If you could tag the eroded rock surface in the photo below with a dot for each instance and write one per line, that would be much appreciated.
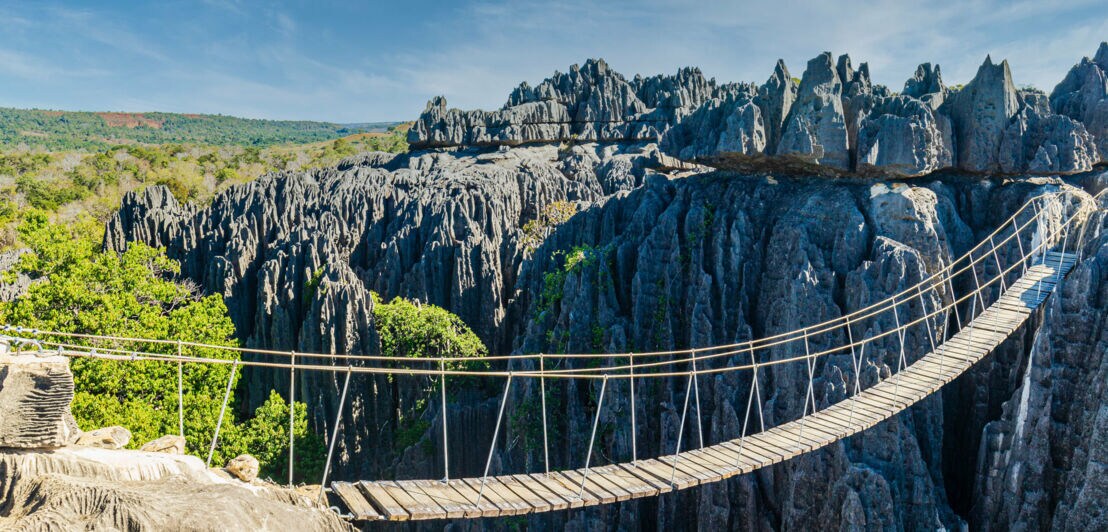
(35, 393)
(82, 488)
(836, 122)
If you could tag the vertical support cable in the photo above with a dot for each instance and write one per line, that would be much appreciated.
(977, 284)
(542, 392)
(1019, 242)
(999, 268)
(334, 435)
(592, 439)
(902, 362)
(809, 394)
(292, 413)
(1058, 272)
(853, 356)
(746, 416)
(1038, 223)
(180, 392)
(954, 299)
(634, 442)
(696, 392)
(445, 439)
(222, 410)
(681, 431)
(495, 435)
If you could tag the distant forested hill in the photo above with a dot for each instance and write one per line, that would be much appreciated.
(70, 130)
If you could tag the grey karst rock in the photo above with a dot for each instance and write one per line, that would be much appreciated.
(169, 444)
(590, 103)
(815, 130)
(296, 255)
(1083, 96)
(903, 137)
(35, 393)
(82, 488)
(927, 85)
(243, 467)
(775, 99)
(1046, 143)
(105, 438)
(981, 112)
(731, 127)
(679, 269)
(20, 282)
(1043, 459)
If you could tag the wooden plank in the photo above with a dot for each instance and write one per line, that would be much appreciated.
(361, 508)
(475, 507)
(592, 493)
(662, 471)
(653, 482)
(495, 492)
(745, 450)
(542, 491)
(443, 495)
(599, 483)
(551, 483)
(633, 485)
(416, 508)
(383, 501)
(534, 501)
(427, 504)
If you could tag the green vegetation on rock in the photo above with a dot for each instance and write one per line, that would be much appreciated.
(81, 288)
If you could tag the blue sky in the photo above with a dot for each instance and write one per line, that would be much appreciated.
(378, 61)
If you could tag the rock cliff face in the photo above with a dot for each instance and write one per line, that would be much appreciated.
(296, 255)
(589, 103)
(836, 122)
(1043, 461)
(670, 263)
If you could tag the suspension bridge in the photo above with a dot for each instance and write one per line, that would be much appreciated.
(1003, 280)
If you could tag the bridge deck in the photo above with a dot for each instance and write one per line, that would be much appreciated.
(520, 494)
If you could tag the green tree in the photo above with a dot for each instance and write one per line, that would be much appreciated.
(83, 289)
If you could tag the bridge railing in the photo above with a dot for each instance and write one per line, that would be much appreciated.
(924, 308)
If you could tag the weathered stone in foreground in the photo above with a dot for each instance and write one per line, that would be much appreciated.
(84, 488)
(169, 444)
(35, 393)
(105, 438)
(243, 467)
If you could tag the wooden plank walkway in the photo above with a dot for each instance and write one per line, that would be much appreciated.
(405, 500)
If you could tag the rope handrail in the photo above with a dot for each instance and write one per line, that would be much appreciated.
(739, 347)
(600, 372)
(597, 373)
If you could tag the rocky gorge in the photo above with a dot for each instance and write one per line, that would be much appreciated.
(823, 196)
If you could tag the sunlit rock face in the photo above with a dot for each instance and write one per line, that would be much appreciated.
(834, 122)
(766, 245)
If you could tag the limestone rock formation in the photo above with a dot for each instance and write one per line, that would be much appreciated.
(35, 393)
(296, 255)
(84, 488)
(243, 467)
(710, 259)
(590, 103)
(1083, 96)
(1043, 459)
(815, 129)
(169, 444)
(837, 122)
(105, 438)
(981, 112)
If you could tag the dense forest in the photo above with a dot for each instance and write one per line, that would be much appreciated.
(74, 184)
(71, 130)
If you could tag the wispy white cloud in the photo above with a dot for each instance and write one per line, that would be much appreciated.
(351, 62)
